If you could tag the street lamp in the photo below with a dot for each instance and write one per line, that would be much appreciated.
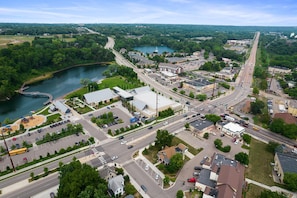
(7, 149)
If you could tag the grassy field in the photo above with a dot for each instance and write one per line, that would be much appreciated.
(259, 168)
(118, 81)
(191, 149)
(253, 191)
(14, 39)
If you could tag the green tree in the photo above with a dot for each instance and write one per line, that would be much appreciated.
(166, 180)
(32, 175)
(213, 118)
(247, 138)
(179, 194)
(174, 89)
(201, 97)
(75, 178)
(257, 106)
(187, 126)
(271, 146)
(255, 91)
(130, 189)
(290, 179)
(218, 143)
(270, 194)
(163, 138)
(206, 135)
(277, 125)
(176, 163)
(182, 92)
(191, 95)
(242, 157)
(45, 169)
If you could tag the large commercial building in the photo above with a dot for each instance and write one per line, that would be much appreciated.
(148, 103)
(101, 96)
(285, 163)
(233, 129)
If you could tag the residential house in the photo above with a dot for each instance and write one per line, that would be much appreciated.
(165, 155)
(285, 163)
(292, 107)
(116, 185)
(223, 177)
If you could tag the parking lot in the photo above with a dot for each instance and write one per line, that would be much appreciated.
(149, 171)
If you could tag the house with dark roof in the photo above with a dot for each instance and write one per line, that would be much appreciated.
(165, 155)
(285, 163)
(116, 185)
(223, 177)
(286, 117)
(201, 126)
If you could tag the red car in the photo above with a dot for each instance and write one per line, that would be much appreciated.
(192, 180)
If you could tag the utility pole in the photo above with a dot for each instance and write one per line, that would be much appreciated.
(7, 149)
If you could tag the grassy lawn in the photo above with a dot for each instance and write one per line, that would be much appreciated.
(191, 149)
(118, 81)
(77, 93)
(44, 112)
(194, 194)
(253, 191)
(259, 168)
(152, 154)
(13, 39)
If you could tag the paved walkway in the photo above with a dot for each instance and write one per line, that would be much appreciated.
(272, 188)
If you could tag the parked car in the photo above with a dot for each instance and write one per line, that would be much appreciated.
(157, 177)
(130, 146)
(18, 146)
(192, 180)
(146, 167)
(150, 127)
(196, 174)
(197, 168)
(121, 137)
(143, 188)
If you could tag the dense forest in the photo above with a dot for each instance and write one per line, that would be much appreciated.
(37, 29)
(20, 62)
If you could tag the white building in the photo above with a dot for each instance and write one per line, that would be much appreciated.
(101, 96)
(147, 102)
(116, 185)
(233, 129)
(59, 105)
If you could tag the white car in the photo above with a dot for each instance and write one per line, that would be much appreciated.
(165, 123)
(114, 157)
(146, 167)
(157, 177)
(123, 142)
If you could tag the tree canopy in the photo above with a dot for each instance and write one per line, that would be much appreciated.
(213, 118)
(270, 194)
(242, 157)
(163, 138)
(290, 179)
(80, 180)
(176, 163)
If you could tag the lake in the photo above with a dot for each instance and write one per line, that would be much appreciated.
(151, 49)
(61, 84)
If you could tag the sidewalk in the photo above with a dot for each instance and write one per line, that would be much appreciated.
(272, 188)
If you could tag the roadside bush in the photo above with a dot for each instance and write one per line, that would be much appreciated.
(206, 135)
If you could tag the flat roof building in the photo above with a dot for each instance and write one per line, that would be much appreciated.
(233, 129)
(59, 105)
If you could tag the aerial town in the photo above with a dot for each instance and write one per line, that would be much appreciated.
(147, 110)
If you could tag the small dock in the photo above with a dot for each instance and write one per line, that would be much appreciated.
(36, 94)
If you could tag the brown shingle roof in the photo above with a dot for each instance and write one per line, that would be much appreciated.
(286, 117)
(233, 177)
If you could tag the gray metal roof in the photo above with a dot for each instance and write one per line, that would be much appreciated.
(138, 104)
(61, 106)
(116, 183)
(140, 89)
(288, 162)
(201, 124)
(98, 96)
(122, 93)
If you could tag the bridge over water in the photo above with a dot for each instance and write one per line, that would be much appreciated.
(36, 94)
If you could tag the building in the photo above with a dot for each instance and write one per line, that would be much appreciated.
(165, 155)
(200, 84)
(124, 95)
(173, 68)
(107, 172)
(148, 102)
(285, 163)
(223, 177)
(292, 107)
(101, 96)
(233, 129)
(60, 106)
(201, 126)
(279, 70)
(116, 186)
(286, 117)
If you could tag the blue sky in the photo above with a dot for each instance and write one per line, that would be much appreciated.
(212, 12)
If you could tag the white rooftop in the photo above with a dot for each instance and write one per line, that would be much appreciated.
(98, 96)
(122, 93)
(168, 74)
(149, 98)
(234, 127)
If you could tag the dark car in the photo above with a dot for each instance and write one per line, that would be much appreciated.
(150, 127)
(52, 195)
(143, 188)
(197, 168)
(121, 137)
(130, 146)
(18, 146)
